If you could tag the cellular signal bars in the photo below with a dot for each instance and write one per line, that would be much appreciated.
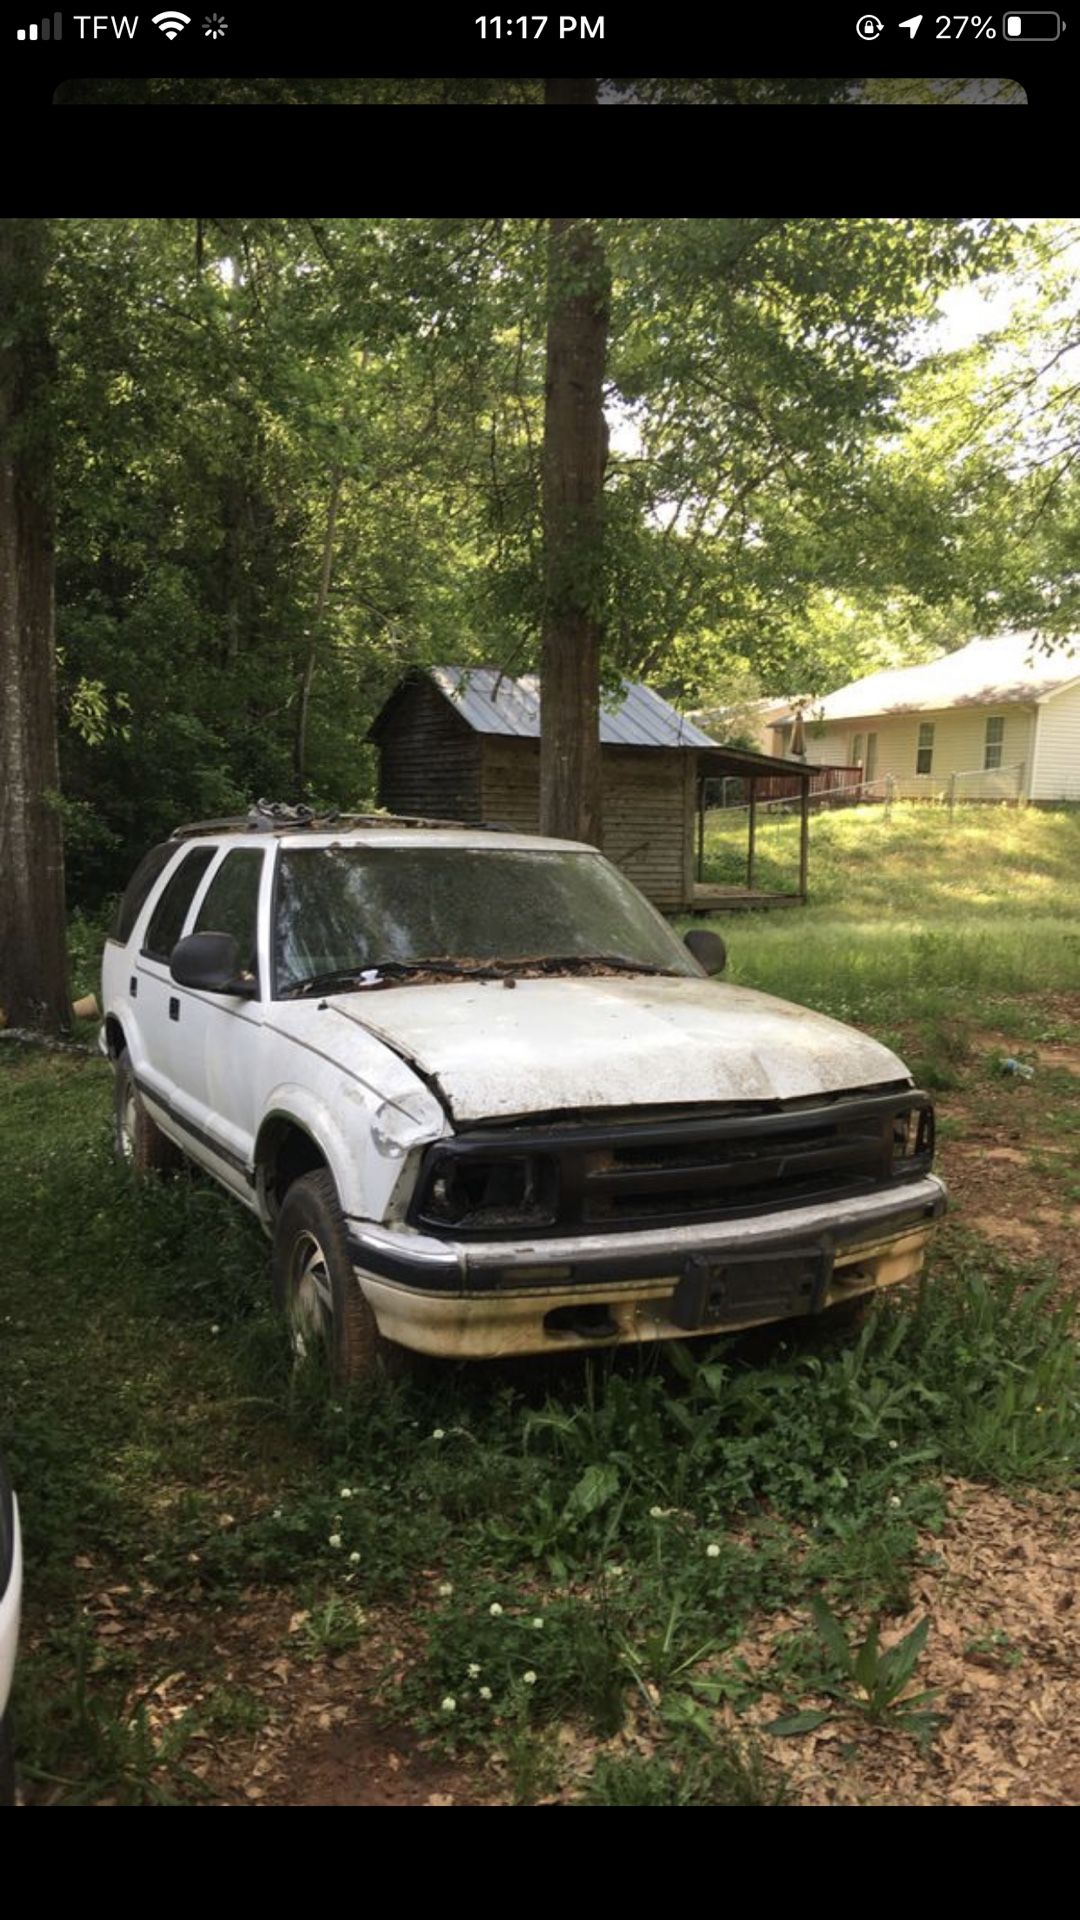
(49, 30)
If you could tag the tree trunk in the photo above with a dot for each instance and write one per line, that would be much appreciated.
(33, 941)
(307, 677)
(575, 445)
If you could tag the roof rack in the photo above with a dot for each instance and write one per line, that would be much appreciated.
(277, 818)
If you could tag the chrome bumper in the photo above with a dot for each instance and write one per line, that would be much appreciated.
(420, 1260)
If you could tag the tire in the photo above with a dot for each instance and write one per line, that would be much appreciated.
(316, 1289)
(139, 1141)
(7, 1767)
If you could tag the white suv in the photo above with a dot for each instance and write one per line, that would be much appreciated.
(486, 1101)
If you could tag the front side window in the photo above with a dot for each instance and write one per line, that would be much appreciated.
(924, 756)
(167, 919)
(856, 749)
(995, 741)
(343, 909)
(231, 904)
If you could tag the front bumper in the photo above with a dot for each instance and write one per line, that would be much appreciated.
(480, 1300)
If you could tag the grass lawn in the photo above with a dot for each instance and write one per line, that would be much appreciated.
(911, 918)
(646, 1579)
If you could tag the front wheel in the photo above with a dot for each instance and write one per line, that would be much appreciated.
(316, 1288)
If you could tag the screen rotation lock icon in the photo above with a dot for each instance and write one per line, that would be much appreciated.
(869, 27)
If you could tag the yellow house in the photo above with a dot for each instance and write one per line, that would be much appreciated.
(996, 720)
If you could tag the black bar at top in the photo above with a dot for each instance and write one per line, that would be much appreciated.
(446, 40)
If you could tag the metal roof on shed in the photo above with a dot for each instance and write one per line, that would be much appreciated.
(495, 702)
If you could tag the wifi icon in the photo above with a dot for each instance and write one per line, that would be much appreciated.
(172, 23)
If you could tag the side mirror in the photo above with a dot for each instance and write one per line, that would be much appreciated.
(707, 948)
(210, 962)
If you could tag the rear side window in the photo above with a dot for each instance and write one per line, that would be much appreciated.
(138, 889)
(232, 903)
(167, 919)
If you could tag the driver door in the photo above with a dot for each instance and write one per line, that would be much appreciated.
(224, 1034)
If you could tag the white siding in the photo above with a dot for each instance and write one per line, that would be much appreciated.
(959, 747)
(1056, 774)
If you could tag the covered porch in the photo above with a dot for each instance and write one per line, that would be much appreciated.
(760, 777)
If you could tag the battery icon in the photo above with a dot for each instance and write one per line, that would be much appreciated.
(1032, 26)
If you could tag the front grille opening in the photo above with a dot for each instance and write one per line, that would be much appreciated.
(623, 1176)
(751, 1196)
(690, 1179)
(592, 1320)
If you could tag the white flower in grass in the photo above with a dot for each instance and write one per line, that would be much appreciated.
(495, 1610)
(449, 1705)
(278, 1512)
(656, 1513)
(894, 1500)
(439, 1433)
(444, 1589)
(529, 1678)
(215, 1329)
(346, 1493)
(354, 1559)
(335, 1539)
(473, 1670)
(485, 1693)
(538, 1623)
(712, 1551)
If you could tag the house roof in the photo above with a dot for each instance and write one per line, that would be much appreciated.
(495, 702)
(986, 673)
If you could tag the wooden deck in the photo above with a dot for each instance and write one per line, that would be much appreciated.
(710, 899)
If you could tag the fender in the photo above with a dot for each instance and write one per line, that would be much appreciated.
(365, 1180)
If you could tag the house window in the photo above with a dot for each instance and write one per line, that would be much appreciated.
(924, 758)
(856, 749)
(870, 769)
(995, 740)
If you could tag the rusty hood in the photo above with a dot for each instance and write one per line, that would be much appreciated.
(554, 1044)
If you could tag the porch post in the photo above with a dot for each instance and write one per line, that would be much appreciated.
(804, 838)
(750, 842)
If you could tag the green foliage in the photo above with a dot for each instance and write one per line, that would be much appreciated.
(219, 382)
(719, 1773)
(872, 1681)
(86, 1736)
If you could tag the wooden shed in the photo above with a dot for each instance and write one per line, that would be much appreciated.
(464, 744)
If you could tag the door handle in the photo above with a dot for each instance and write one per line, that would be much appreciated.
(174, 1007)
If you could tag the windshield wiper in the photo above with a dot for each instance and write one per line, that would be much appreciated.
(380, 971)
(614, 962)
